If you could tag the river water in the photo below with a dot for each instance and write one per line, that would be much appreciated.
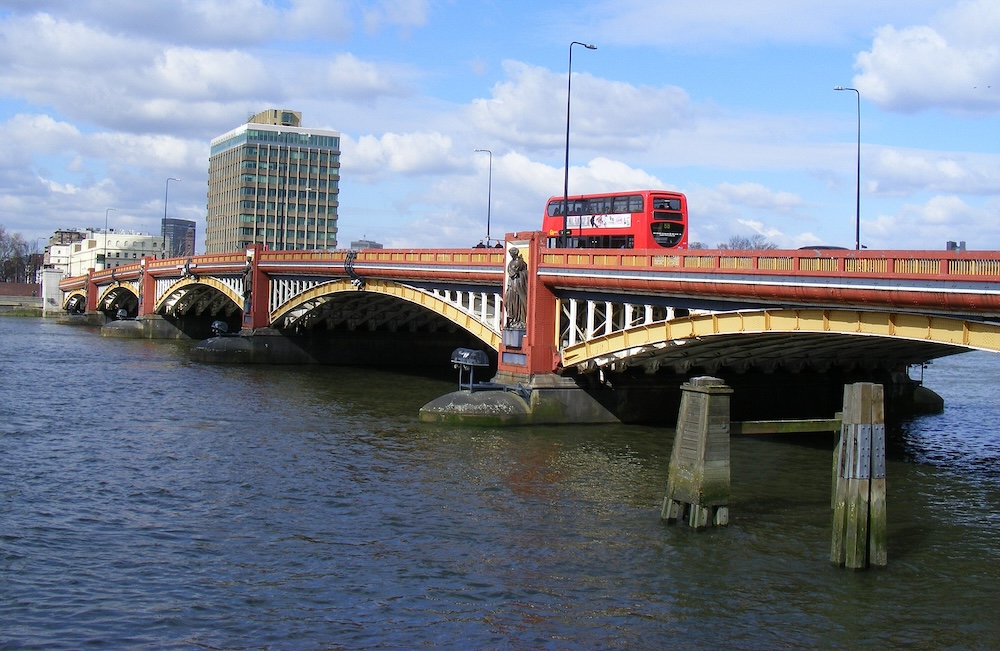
(150, 502)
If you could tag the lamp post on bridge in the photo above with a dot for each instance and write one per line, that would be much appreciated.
(563, 241)
(163, 225)
(106, 236)
(489, 194)
(857, 203)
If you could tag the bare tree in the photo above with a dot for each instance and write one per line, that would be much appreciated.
(743, 243)
(14, 258)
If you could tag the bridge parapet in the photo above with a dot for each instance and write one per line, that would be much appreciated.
(924, 282)
(922, 264)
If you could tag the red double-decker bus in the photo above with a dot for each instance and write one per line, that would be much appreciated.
(637, 219)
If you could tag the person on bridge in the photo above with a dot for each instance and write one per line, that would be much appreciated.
(515, 299)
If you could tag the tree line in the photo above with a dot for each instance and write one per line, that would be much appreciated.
(18, 262)
(739, 243)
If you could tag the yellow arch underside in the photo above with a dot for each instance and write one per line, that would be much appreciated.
(938, 329)
(125, 284)
(205, 281)
(76, 292)
(432, 303)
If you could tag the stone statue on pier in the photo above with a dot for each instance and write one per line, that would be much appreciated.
(247, 285)
(515, 298)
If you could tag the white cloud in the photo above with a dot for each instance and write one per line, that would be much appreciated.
(929, 225)
(349, 77)
(745, 209)
(26, 134)
(755, 195)
(213, 23)
(896, 171)
(528, 109)
(187, 74)
(947, 65)
(393, 153)
(124, 84)
(136, 84)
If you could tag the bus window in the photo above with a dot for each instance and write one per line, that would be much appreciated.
(600, 206)
(664, 203)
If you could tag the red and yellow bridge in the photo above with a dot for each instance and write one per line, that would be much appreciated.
(587, 310)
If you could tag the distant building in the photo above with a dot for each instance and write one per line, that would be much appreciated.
(272, 182)
(68, 236)
(56, 253)
(178, 238)
(365, 244)
(100, 249)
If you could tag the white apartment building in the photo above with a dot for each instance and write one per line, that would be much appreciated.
(103, 249)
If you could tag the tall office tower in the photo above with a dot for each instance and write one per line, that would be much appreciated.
(272, 182)
(178, 237)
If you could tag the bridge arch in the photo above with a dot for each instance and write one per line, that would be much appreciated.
(790, 338)
(75, 301)
(121, 295)
(199, 294)
(303, 307)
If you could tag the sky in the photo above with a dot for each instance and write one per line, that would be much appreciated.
(730, 102)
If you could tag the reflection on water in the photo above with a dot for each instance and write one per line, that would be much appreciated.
(150, 502)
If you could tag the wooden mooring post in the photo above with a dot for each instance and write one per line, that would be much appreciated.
(698, 482)
(859, 510)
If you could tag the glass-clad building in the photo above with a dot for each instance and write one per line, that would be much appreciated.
(178, 237)
(272, 182)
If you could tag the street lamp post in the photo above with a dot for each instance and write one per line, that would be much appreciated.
(106, 235)
(163, 226)
(489, 194)
(857, 200)
(569, 82)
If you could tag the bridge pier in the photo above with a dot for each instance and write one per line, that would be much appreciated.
(91, 319)
(543, 399)
(145, 326)
(859, 514)
(261, 346)
(698, 483)
(526, 357)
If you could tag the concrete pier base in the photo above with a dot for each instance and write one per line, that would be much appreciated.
(152, 326)
(859, 507)
(90, 319)
(542, 400)
(262, 346)
(698, 483)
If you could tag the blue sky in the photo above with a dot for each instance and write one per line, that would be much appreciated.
(730, 102)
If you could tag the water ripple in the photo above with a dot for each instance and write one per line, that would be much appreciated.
(147, 502)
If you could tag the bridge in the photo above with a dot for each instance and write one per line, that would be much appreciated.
(605, 319)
